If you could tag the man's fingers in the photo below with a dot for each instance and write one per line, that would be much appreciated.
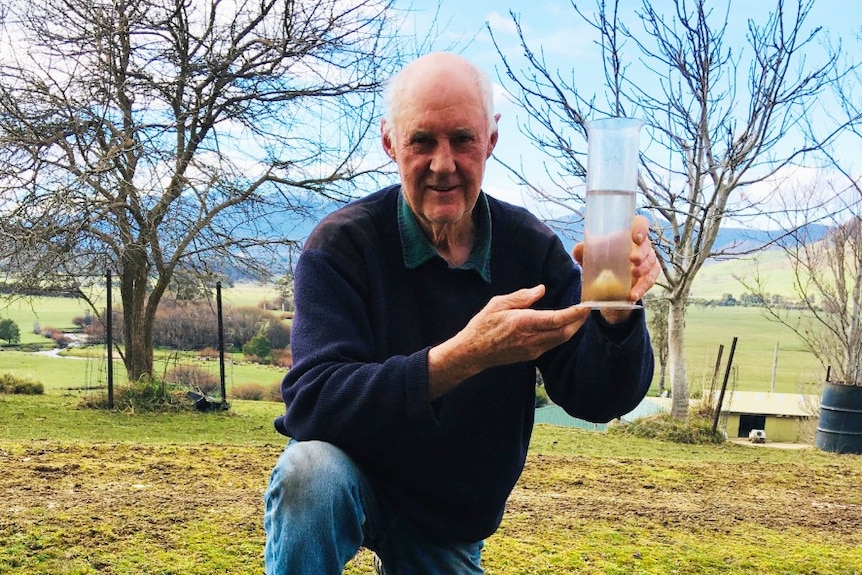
(543, 321)
(521, 299)
(578, 252)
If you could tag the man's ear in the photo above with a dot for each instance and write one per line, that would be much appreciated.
(492, 140)
(386, 139)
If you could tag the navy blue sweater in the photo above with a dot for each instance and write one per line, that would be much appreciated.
(360, 338)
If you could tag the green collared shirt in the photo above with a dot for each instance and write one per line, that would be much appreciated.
(417, 249)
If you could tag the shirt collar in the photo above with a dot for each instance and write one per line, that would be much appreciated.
(417, 249)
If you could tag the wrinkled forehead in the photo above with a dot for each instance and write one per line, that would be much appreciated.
(432, 99)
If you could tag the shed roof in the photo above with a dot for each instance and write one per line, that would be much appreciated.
(767, 403)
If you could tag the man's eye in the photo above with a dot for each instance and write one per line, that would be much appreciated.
(421, 141)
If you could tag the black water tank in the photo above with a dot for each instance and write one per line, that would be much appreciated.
(840, 426)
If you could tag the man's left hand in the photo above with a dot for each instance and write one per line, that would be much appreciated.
(645, 267)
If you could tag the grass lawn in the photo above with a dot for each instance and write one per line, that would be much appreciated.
(122, 493)
(706, 330)
(140, 494)
(81, 369)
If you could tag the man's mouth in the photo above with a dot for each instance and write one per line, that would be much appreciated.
(442, 188)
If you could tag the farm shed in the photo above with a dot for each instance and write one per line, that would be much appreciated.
(785, 417)
(556, 415)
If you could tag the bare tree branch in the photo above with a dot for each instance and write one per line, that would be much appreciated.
(152, 136)
(713, 135)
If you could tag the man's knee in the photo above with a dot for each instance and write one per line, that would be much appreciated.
(312, 473)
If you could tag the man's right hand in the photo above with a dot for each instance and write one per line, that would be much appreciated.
(505, 331)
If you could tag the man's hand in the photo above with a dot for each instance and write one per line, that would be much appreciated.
(645, 267)
(505, 331)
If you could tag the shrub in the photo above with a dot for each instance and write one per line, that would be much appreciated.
(185, 325)
(664, 427)
(258, 346)
(282, 358)
(142, 396)
(95, 332)
(194, 377)
(274, 392)
(209, 353)
(21, 386)
(56, 335)
(83, 321)
(249, 391)
(244, 323)
(542, 398)
(278, 333)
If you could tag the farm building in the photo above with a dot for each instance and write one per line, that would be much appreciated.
(785, 417)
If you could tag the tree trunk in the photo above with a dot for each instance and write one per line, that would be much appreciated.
(676, 358)
(137, 318)
(662, 375)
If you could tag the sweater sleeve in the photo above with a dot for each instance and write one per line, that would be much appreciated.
(605, 370)
(337, 390)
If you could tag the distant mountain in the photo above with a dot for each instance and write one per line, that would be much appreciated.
(734, 242)
(719, 276)
(739, 241)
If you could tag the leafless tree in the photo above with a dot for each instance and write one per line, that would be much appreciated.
(657, 308)
(714, 131)
(827, 277)
(153, 136)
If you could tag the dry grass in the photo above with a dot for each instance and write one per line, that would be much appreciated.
(587, 503)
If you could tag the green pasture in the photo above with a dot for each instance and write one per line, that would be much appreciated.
(37, 314)
(707, 329)
(248, 294)
(719, 278)
(58, 312)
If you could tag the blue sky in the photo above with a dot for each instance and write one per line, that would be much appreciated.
(552, 25)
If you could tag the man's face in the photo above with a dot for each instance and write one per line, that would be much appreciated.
(441, 142)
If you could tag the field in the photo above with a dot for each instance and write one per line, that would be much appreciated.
(796, 371)
(75, 370)
(706, 330)
(719, 278)
(130, 494)
(122, 493)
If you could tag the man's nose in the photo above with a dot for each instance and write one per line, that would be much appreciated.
(443, 160)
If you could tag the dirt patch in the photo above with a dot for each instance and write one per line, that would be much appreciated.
(693, 495)
(189, 509)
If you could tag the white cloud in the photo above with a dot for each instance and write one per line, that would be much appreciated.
(501, 24)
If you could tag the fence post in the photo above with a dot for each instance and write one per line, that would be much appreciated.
(109, 339)
(723, 386)
(220, 344)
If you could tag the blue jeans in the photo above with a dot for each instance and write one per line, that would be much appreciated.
(320, 509)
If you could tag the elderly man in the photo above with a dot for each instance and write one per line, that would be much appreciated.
(422, 313)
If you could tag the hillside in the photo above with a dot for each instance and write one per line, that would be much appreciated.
(718, 278)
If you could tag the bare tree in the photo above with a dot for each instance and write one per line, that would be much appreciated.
(827, 278)
(150, 137)
(657, 307)
(713, 134)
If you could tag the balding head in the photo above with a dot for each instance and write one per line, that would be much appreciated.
(437, 71)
